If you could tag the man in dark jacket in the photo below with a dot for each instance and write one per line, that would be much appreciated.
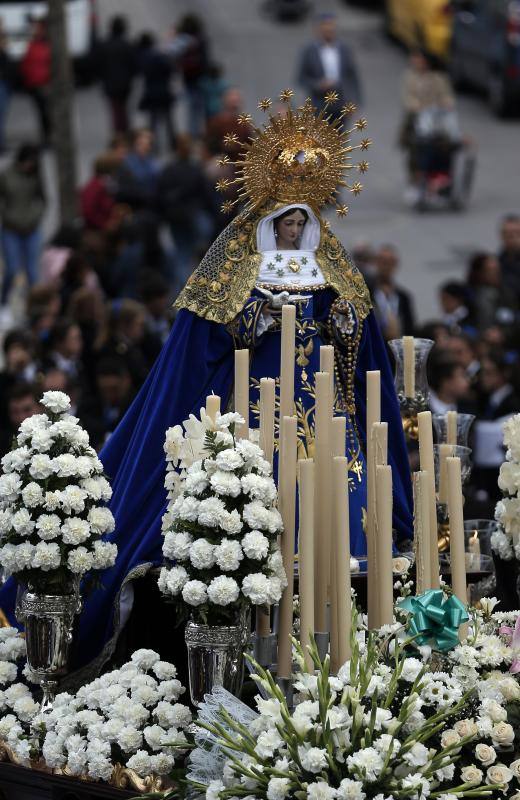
(326, 65)
(117, 69)
(393, 305)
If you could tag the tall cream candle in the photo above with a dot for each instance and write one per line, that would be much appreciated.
(242, 392)
(409, 366)
(212, 406)
(339, 435)
(341, 597)
(327, 362)
(380, 442)
(384, 543)
(451, 427)
(287, 506)
(287, 361)
(424, 419)
(421, 500)
(322, 499)
(445, 450)
(457, 548)
(306, 555)
(267, 406)
(373, 415)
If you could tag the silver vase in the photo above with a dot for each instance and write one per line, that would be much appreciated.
(215, 657)
(48, 621)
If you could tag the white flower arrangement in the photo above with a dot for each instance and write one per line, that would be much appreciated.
(506, 541)
(384, 727)
(52, 495)
(221, 524)
(130, 717)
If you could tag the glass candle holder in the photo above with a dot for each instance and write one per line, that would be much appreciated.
(440, 453)
(411, 383)
(477, 537)
(440, 426)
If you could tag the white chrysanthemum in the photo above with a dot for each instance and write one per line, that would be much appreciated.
(22, 522)
(32, 495)
(56, 402)
(255, 545)
(210, 512)
(46, 556)
(101, 520)
(16, 460)
(80, 560)
(228, 555)
(177, 545)
(75, 530)
(194, 593)
(202, 554)
(225, 483)
(104, 555)
(261, 518)
(222, 591)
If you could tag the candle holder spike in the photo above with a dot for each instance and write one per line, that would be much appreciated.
(411, 406)
(264, 649)
(464, 423)
(287, 688)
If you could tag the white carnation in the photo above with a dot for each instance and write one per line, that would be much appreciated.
(188, 509)
(229, 460)
(98, 488)
(52, 501)
(75, 530)
(177, 545)
(172, 580)
(164, 670)
(5, 521)
(104, 555)
(255, 545)
(194, 593)
(210, 512)
(231, 523)
(10, 486)
(257, 588)
(223, 590)
(46, 556)
(258, 517)
(202, 554)
(16, 459)
(65, 465)
(228, 555)
(259, 488)
(141, 763)
(22, 522)
(72, 499)
(32, 495)
(101, 520)
(56, 402)
(80, 560)
(196, 481)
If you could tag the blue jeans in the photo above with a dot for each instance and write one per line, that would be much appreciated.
(20, 251)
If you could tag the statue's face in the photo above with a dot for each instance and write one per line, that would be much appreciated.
(289, 230)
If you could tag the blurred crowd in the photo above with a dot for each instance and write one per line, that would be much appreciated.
(88, 311)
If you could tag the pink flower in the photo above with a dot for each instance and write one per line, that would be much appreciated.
(513, 636)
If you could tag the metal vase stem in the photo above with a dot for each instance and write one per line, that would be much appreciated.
(215, 657)
(48, 621)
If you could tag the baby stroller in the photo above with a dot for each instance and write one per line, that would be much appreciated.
(444, 162)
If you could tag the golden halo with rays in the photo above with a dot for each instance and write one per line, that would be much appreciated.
(299, 155)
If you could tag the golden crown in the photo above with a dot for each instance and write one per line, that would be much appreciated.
(299, 155)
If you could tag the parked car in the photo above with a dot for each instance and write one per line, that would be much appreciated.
(421, 23)
(485, 50)
(16, 19)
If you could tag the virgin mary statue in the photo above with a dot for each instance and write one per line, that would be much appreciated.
(278, 250)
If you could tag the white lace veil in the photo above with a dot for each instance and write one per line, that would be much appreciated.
(265, 238)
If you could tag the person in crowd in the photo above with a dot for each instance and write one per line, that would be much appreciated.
(449, 384)
(183, 198)
(509, 255)
(7, 80)
(327, 65)
(64, 349)
(490, 300)
(20, 364)
(35, 71)
(461, 347)
(214, 86)
(157, 98)
(97, 195)
(193, 64)
(394, 306)
(101, 412)
(138, 173)
(456, 311)
(435, 330)
(155, 295)
(117, 65)
(78, 274)
(123, 335)
(22, 402)
(57, 250)
(22, 206)
(226, 122)
(42, 310)
(498, 401)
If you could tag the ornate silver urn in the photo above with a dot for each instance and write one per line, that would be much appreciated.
(215, 657)
(48, 621)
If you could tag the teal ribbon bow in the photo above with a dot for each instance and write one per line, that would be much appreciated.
(435, 619)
